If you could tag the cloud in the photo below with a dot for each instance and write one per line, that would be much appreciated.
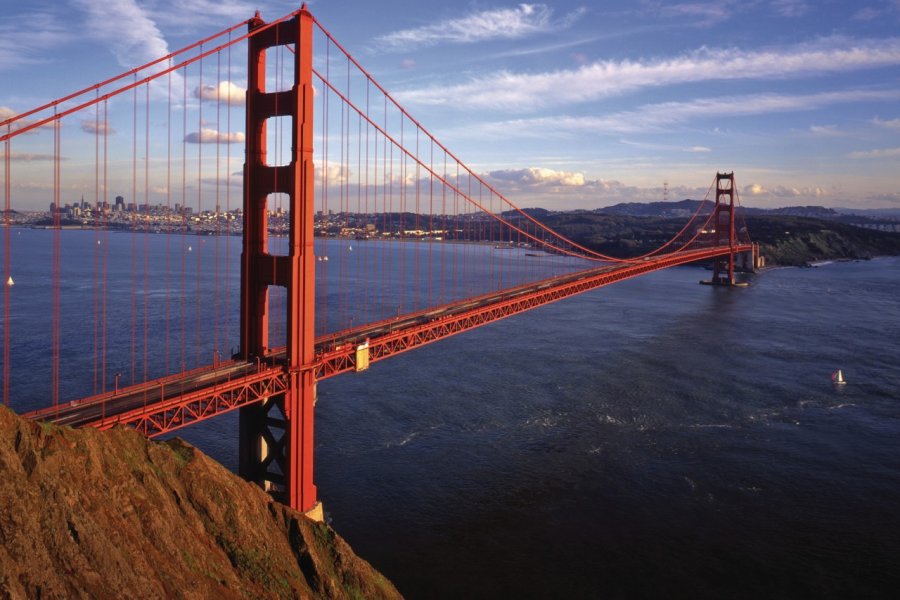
(125, 28)
(194, 13)
(867, 14)
(28, 157)
(602, 79)
(825, 131)
(538, 176)
(759, 190)
(704, 14)
(333, 174)
(8, 113)
(790, 8)
(659, 117)
(889, 124)
(755, 189)
(501, 23)
(407, 63)
(892, 198)
(666, 147)
(877, 153)
(225, 92)
(211, 136)
(20, 46)
(93, 127)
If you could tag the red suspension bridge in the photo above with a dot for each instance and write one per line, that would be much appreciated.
(362, 237)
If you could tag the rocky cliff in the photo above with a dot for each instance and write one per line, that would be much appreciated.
(90, 514)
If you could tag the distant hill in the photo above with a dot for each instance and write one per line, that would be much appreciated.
(688, 207)
(785, 238)
(652, 209)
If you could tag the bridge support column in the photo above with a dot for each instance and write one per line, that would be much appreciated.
(723, 224)
(276, 446)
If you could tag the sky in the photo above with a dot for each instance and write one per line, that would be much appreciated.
(563, 104)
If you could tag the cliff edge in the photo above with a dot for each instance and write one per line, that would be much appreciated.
(90, 514)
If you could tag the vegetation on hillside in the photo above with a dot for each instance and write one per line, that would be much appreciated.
(784, 239)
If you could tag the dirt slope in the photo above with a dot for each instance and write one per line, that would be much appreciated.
(89, 514)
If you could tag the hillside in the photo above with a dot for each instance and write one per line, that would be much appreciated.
(90, 514)
(784, 238)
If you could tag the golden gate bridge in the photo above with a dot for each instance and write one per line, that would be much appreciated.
(331, 160)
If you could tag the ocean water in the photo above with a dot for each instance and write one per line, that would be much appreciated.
(654, 438)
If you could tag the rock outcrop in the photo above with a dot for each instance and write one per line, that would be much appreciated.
(90, 514)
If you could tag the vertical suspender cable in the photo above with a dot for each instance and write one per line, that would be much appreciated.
(7, 273)
(55, 321)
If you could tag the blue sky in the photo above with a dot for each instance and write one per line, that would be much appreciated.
(565, 104)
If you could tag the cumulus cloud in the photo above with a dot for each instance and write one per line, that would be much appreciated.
(225, 92)
(537, 176)
(332, 174)
(7, 113)
(755, 189)
(501, 23)
(532, 91)
(877, 153)
(211, 136)
(93, 127)
(759, 190)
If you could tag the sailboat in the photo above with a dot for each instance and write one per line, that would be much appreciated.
(838, 378)
(10, 281)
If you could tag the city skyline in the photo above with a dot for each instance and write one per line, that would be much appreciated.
(561, 105)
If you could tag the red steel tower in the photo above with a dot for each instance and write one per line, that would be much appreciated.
(276, 435)
(723, 228)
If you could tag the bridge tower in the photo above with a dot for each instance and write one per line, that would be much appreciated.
(723, 228)
(276, 435)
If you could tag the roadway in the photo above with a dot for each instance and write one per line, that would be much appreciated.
(155, 402)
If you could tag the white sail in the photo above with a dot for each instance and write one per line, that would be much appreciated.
(10, 281)
(838, 377)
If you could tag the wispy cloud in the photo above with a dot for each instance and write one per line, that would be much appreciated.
(529, 91)
(501, 23)
(126, 28)
(888, 124)
(877, 153)
(826, 131)
(24, 46)
(28, 157)
(194, 13)
(703, 14)
(667, 147)
(659, 117)
(790, 8)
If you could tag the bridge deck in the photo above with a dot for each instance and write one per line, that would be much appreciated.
(166, 404)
